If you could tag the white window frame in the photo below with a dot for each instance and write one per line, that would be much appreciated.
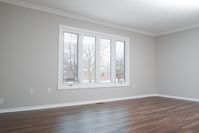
(97, 35)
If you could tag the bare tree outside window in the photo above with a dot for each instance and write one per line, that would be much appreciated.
(120, 61)
(88, 59)
(70, 63)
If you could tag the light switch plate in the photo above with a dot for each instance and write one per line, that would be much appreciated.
(49, 90)
(134, 86)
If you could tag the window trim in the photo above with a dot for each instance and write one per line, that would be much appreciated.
(97, 35)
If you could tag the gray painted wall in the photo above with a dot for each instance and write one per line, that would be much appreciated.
(178, 64)
(29, 56)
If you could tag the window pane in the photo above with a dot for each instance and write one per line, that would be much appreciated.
(105, 60)
(88, 59)
(70, 67)
(120, 61)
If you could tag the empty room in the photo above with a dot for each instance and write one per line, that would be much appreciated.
(99, 66)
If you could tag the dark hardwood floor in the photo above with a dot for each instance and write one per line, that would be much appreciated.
(144, 115)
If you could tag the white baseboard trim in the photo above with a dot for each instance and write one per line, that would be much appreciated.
(178, 97)
(28, 108)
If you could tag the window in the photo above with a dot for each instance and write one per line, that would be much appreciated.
(70, 73)
(88, 63)
(89, 59)
(105, 57)
(120, 61)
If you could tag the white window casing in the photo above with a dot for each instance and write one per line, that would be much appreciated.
(98, 35)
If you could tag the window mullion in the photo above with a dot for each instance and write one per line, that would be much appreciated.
(113, 67)
(80, 55)
(97, 68)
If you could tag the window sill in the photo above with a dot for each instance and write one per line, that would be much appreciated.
(92, 86)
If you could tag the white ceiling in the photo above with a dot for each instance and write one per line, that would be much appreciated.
(151, 16)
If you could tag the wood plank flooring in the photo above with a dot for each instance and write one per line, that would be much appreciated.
(144, 115)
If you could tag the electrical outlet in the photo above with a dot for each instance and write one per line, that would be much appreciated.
(1, 101)
(49, 90)
(31, 91)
